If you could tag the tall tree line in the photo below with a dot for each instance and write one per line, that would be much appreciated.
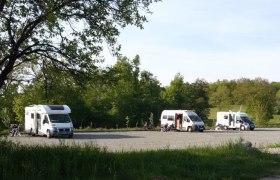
(123, 95)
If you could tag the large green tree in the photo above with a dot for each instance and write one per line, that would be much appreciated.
(67, 34)
(220, 94)
(125, 91)
(182, 95)
(52, 87)
(123, 96)
(150, 100)
(176, 95)
(199, 98)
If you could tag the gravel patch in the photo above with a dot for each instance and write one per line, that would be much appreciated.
(153, 140)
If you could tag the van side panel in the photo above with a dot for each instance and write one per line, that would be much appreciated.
(181, 120)
(223, 118)
(30, 120)
(167, 117)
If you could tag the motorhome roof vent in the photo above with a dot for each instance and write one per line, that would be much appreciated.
(56, 107)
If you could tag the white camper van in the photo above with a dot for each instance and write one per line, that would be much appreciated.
(183, 120)
(49, 120)
(234, 120)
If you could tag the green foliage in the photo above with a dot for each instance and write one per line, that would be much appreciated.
(277, 106)
(6, 118)
(176, 94)
(274, 121)
(200, 98)
(7, 94)
(258, 95)
(68, 35)
(129, 92)
(106, 98)
(231, 161)
(220, 93)
(181, 95)
(32, 95)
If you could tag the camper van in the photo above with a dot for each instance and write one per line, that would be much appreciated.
(234, 120)
(48, 120)
(182, 120)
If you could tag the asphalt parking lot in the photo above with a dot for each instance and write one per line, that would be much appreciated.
(153, 140)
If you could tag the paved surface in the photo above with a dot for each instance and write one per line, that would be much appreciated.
(144, 140)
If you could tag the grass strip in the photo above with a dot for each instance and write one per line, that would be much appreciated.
(230, 161)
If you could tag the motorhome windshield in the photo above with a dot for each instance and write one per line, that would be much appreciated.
(194, 117)
(59, 118)
(246, 119)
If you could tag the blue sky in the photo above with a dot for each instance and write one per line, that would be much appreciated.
(207, 39)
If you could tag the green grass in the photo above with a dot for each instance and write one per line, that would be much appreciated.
(275, 121)
(276, 145)
(230, 161)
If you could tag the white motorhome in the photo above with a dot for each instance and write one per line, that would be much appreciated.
(234, 120)
(183, 120)
(49, 120)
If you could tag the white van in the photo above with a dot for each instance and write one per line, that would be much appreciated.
(49, 120)
(234, 120)
(183, 120)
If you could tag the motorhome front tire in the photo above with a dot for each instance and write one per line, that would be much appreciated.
(242, 128)
(190, 129)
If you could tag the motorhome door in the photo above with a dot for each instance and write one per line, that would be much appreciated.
(178, 120)
(186, 122)
(45, 120)
(39, 123)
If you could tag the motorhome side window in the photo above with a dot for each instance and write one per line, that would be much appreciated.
(170, 118)
(38, 116)
(32, 115)
(164, 117)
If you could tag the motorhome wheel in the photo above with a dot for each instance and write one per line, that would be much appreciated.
(189, 129)
(242, 128)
